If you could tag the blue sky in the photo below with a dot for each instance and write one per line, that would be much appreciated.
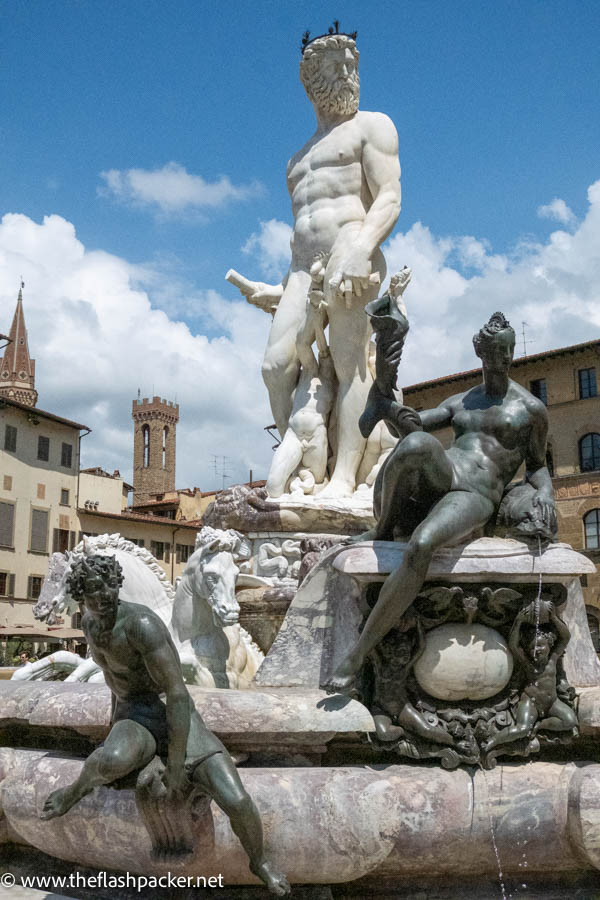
(496, 106)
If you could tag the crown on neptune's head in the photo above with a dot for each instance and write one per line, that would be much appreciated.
(333, 30)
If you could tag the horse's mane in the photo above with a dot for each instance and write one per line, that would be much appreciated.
(118, 542)
(99, 544)
(214, 540)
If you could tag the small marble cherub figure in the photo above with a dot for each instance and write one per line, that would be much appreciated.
(540, 708)
(302, 455)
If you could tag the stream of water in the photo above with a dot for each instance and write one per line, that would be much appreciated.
(493, 834)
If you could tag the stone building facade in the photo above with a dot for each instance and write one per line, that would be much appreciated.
(154, 447)
(39, 466)
(566, 380)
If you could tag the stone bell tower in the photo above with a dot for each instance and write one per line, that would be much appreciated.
(155, 423)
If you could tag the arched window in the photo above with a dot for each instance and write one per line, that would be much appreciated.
(164, 446)
(593, 618)
(146, 440)
(589, 452)
(591, 524)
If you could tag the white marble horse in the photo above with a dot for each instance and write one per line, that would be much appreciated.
(205, 621)
(231, 659)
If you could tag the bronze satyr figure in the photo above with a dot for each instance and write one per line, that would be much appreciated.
(433, 497)
(139, 660)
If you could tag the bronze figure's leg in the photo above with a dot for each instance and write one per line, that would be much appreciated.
(418, 470)
(526, 718)
(386, 730)
(416, 723)
(219, 778)
(452, 517)
(560, 718)
(128, 747)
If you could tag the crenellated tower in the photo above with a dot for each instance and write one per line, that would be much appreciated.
(155, 423)
(17, 369)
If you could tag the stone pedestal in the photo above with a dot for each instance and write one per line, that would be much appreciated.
(323, 620)
(251, 510)
(476, 667)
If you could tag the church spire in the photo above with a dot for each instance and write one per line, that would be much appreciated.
(17, 369)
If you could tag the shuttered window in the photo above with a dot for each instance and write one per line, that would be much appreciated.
(63, 540)
(34, 586)
(7, 584)
(591, 524)
(10, 438)
(538, 389)
(43, 448)
(587, 383)
(589, 452)
(157, 549)
(66, 456)
(184, 552)
(39, 530)
(7, 521)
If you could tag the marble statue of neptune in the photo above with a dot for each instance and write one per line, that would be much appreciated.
(345, 190)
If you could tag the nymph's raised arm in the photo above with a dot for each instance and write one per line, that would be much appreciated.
(438, 417)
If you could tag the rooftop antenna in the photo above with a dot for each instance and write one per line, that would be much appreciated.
(220, 465)
(526, 340)
(139, 395)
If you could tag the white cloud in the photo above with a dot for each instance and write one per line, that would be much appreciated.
(172, 190)
(557, 210)
(475, 254)
(97, 338)
(271, 245)
(457, 283)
